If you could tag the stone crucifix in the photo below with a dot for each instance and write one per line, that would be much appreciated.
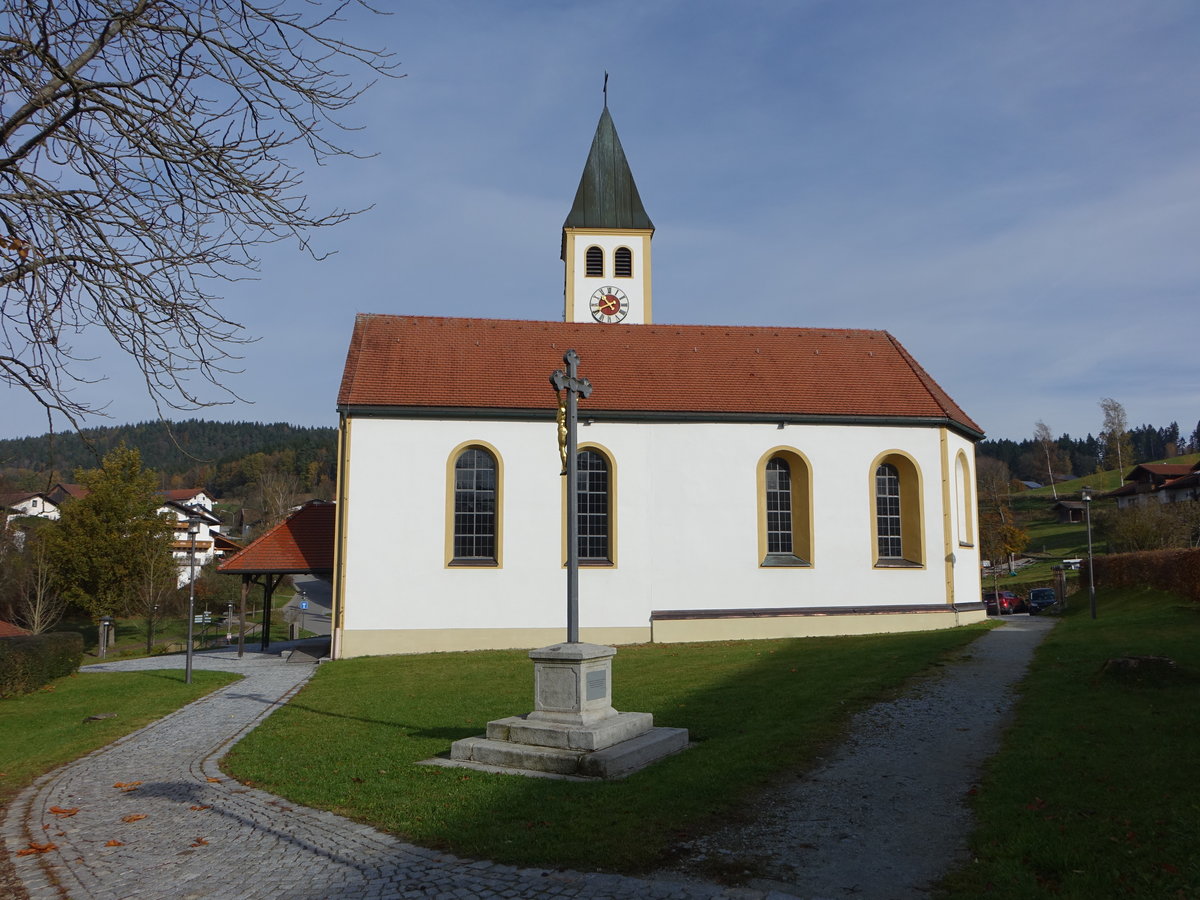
(573, 387)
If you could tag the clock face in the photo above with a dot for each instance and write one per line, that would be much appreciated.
(609, 304)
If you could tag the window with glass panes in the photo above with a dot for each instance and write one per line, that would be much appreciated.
(887, 511)
(779, 506)
(591, 480)
(475, 505)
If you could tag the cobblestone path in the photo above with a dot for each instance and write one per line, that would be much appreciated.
(203, 835)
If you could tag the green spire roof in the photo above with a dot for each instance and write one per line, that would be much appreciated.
(607, 196)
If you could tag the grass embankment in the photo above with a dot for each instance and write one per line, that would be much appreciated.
(45, 729)
(1094, 791)
(1108, 480)
(350, 741)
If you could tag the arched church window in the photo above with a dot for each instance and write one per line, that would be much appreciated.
(623, 263)
(595, 262)
(897, 519)
(779, 506)
(785, 533)
(964, 501)
(887, 512)
(475, 508)
(592, 499)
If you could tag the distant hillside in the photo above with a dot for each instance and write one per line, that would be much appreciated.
(186, 454)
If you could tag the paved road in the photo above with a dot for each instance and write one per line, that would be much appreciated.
(882, 820)
(318, 592)
(206, 836)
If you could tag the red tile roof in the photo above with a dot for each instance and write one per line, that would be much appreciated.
(12, 498)
(223, 543)
(1191, 479)
(180, 494)
(418, 362)
(7, 629)
(70, 490)
(1169, 470)
(303, 542)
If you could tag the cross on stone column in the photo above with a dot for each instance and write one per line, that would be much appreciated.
(573, 728)
(573, 387)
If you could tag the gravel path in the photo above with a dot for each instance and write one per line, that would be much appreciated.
(880, 819)
(886, 814)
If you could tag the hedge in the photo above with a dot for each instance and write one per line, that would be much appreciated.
(29, 661)
(1177, 571)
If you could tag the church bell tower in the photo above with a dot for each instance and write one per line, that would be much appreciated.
(606, 239)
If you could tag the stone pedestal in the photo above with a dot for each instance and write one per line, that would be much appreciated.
(572, 683)
(573, 729)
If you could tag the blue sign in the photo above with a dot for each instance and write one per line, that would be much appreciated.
(304, 604)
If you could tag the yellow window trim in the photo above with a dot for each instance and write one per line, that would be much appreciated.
(966, 502)
(912, 512)
(802, 508)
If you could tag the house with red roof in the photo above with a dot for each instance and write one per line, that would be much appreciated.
(19, 504)
(1158, 483)
(733, 481)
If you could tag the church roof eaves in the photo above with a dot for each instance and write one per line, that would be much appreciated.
(607, 196)
(416, 365)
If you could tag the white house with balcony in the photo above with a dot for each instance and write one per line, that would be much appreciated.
(208, 529)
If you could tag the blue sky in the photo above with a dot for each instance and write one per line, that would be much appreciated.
(1012, 189)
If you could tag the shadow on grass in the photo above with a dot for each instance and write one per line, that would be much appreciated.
(409, 728)
(755, 710)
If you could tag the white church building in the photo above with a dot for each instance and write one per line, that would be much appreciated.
(733, 482)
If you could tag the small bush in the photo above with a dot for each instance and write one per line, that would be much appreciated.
(29, 661)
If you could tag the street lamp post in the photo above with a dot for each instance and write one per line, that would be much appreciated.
(1087, 509)
(193, 524)
(106, 631)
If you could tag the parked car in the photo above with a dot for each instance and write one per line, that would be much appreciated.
(1041, 599)
(1001, 603)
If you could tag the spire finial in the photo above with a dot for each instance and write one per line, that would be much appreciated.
(606, 88)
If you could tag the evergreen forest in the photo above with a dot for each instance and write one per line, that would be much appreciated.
(1076, 457)
(229, 459)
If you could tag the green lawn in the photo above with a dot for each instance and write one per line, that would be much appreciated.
(350, 741)
(45, 729)
(1094, 791)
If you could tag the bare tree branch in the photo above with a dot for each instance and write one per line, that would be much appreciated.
(146, 151)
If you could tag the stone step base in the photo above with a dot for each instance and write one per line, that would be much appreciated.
(614, 729)
(616, 761)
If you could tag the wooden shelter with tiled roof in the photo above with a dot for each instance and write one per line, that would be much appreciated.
(300, 544)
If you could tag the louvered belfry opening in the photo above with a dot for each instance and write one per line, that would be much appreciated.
(623, 263)
(595, 262)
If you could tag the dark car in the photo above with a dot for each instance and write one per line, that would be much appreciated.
(1041, 599)
(1001, 603)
